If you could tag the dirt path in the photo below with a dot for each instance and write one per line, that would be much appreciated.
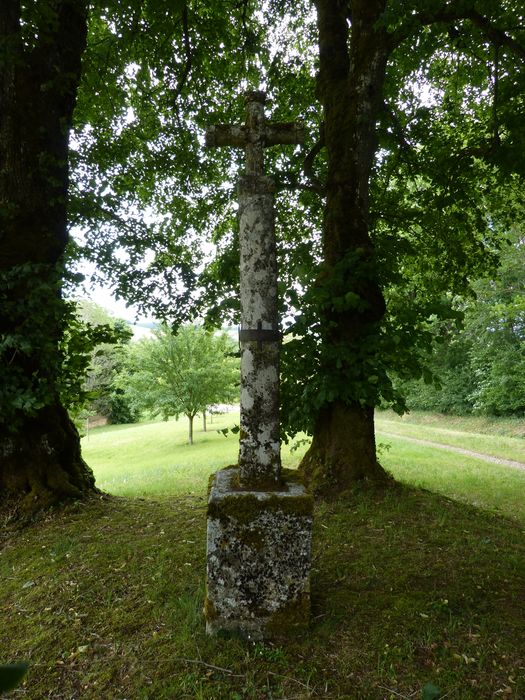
(459, 450)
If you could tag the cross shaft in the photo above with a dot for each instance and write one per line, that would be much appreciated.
(259, 448)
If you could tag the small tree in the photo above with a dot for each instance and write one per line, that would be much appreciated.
(181, 373)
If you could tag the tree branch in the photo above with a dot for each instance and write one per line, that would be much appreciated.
(289, 181)
(308, 164)
(495, 98)
(398, 128)
(188, 53)
(497, 36)
(453, 12)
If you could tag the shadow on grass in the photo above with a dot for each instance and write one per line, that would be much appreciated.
(408, 587)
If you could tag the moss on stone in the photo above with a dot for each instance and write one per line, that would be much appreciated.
(243, 507)
(254, 538)
(262, 483)
(211, 478)
(291, 619)
(292, 476)
(262, 535)
(210, 612)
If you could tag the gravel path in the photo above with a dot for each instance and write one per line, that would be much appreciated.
(459, 450)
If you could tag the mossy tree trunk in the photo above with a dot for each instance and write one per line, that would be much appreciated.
(40, 64)
(353, 52)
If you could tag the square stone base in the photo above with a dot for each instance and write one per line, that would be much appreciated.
(258, 559)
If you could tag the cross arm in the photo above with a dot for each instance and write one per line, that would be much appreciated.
(285, 133)
(226, 135)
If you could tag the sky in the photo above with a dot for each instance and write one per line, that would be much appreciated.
(103, 296)
(116, 307)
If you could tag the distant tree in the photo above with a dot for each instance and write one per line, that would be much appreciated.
(447, 384)
(478, 366)
(107, 359)
(495, 328)
(181, 373)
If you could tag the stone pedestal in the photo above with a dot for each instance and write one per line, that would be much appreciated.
(258, 560)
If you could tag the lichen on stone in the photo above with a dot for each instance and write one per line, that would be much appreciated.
(259, 548)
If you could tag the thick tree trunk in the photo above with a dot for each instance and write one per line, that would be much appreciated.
(41, 465)
(350, 82)
(204, 421)
(40, 462)
(190, 429)
(343, 449)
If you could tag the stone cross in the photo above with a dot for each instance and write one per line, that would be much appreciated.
(259, 335)
(259, 522)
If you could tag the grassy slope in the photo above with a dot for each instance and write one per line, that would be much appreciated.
(154, 458)
(473, 481)
(105, 600)
(460, 432)
(485, 425)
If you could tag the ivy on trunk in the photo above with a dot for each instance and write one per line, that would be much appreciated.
(350, 81)
(41, 46)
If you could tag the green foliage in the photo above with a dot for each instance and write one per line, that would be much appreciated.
(450, 381)
(496, 329)
(154, 79)
(107, 360)
(150, 201)
(159, 72)
(182, 373)
(479, 367)
(448, 131)
(11, 676)
(45, 349)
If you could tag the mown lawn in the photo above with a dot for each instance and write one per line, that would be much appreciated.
(505, 438)
(490, 486)
(155, 458)
(409, 587)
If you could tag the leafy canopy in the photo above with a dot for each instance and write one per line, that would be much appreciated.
(158, 211)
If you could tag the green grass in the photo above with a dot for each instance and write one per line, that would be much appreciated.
(484, 425)
(104, 599)
(150, 459)
(457, 432)
(474, 481)
(408, 587)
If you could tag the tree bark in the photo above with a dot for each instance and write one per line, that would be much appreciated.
(204, 421)
(352, 65)
(40, 460)
(43, 466)
(190, 429)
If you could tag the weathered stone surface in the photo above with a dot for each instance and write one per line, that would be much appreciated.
(259, 449)
(258, 561)
(259, 526)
